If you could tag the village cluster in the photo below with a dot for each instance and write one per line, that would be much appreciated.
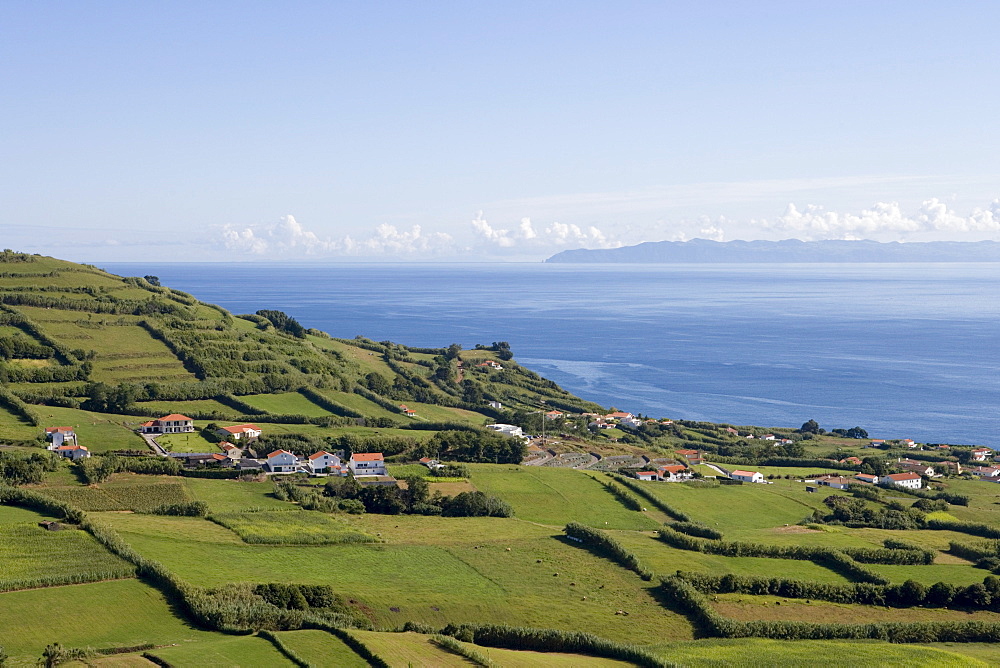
(236, 452)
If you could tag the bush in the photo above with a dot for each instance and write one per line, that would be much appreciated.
(187, 509)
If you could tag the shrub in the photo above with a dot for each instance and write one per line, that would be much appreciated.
(602, 543)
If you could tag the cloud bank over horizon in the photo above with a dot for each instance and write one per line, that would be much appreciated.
(932, 220)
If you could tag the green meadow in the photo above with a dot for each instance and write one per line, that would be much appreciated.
(556, 496)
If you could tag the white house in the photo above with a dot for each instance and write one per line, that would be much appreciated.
(168, 424)
(60, 435)
(618, 415)
(980, 454)
(867, 477)
(367, 463)
(836, 482)
(647, 475)
(632, 422)
(913, 466)
(495, 404)
(491, 364)
(909, 442)
(431, 463)
(73, 452)
(282, 461)
(240, 432)
(768, 437)
(323, 460)
(407, 411)
(910, 480)
(553, 415)
(509, 429)
(747, 476)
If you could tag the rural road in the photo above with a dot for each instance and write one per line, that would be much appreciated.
(153, 445)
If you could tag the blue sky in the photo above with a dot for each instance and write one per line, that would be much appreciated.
(472, 130)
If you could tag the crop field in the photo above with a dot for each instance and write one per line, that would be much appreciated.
(556, 496)
(223, 651)
(367, 360)
(320, 648)
(84, 619)
(99, 432)
(29, 552)
(430, 569)
(285, 403)
(764, 652)
(124, 492)
(290, 527)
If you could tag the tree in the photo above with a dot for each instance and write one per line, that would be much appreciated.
(810, 427)
(152, 280)
(940, 594)
(856, 432)
(453, 351)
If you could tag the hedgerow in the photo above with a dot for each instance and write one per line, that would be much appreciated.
(606, 546)
(626, 497)
(651, 498)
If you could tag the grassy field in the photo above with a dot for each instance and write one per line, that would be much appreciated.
(360, 404)
(320, 648)
(78, 616)
(763, 652)
(223, 652)
(286, 403)
(156, 409)
(15, 427)
(189, 442)
(556, 496)
(665, 560)
(746, 607)
(430, 569)
(433, 413)
(401, 650)
(226, 496)
(726, 507)
(97, 431)
(290, 527)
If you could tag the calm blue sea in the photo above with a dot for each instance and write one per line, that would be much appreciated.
(905, 351)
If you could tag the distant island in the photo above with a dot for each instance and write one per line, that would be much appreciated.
(789, 250)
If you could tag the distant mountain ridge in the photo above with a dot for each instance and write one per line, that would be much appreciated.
(789, 250)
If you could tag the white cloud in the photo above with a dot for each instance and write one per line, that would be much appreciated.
(556, 235)
(883, 221)
(288, 237)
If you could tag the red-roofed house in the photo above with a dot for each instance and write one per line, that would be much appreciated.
(491, 364)
(240, 431)
(674, 472)
(868, 478)
(852, 460)
(980, 454)
(168, 424)
(647, 475)
(693, 456)
(323, 460)
(367, 463)
(747, 476)
(282, 461)
(836, 481)
(910, 480)
(73, 452)
(618, 415)
(553, 415)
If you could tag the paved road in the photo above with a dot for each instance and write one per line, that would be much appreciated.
(716, 469)
(153, 445)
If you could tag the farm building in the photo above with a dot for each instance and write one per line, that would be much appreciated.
(747, 476)
(868, 478)
(647, 475)
(910, 480)
(836, 482)
(240, 431)
(674, 472)
(72, 452)
(168, 424)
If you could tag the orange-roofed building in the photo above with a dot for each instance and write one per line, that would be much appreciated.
(323, 461)
(73, 452)
(367, 463)
(168, 424)
(282, 461)
(240, 432)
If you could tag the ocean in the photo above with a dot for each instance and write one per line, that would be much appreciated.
(903, 350)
